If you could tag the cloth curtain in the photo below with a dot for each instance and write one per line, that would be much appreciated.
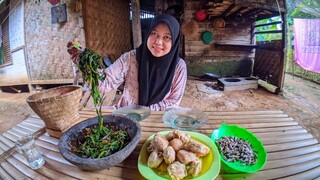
(307, 43)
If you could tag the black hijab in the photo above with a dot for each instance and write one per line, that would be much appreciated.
(156, 73)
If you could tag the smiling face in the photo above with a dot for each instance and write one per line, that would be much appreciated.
(160, 41)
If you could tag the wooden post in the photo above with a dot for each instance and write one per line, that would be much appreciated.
(283, 53)
(136, 23)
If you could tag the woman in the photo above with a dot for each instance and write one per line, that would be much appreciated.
(154, 74)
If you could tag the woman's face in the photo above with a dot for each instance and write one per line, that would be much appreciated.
(159, 41)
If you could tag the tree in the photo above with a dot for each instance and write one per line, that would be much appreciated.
(309, 9)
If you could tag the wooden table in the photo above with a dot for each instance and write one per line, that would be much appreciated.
(293, 153)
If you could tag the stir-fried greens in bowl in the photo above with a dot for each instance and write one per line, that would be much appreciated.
(82, 146)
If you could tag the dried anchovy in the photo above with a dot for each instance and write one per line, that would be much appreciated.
(237, 149)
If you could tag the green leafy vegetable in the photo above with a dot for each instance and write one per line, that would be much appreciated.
(98, 144)
(89, 64)
(100, 141)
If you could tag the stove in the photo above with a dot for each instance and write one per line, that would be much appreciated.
(238, 83)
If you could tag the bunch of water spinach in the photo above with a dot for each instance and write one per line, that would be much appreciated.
(89, 64)
(99, 141)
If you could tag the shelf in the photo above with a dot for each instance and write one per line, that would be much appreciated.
(236, 45)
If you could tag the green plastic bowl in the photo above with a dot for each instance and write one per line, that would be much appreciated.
(206, 37)
(237, 167)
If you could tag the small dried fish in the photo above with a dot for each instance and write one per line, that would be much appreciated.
(237, 149)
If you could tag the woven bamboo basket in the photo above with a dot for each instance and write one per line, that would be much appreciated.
(57, 107)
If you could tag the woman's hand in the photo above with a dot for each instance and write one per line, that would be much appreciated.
(74, 49)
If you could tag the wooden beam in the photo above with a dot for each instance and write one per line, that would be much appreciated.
(136, 23)
(269, 32)
(267, 24)
(266, 16)
(283, 54)
(251, 12)
(236, 13)
(266, 6)
(223, 15)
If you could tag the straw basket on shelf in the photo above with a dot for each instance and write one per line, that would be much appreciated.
(57, 107)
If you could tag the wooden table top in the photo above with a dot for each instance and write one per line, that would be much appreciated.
(293, 153)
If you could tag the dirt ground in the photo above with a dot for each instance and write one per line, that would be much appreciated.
(300, 100)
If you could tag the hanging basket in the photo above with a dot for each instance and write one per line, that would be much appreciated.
(219, 23)
(57, 107)
(190, 29)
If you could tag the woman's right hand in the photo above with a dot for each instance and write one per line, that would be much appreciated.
(74, 49)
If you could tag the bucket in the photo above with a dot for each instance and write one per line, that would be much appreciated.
(57, 107)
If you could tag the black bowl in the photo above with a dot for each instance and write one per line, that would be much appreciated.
(71, 135)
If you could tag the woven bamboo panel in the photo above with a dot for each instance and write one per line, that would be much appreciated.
(107, 26)
(46, 53)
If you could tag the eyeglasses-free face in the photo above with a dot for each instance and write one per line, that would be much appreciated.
(160, 41)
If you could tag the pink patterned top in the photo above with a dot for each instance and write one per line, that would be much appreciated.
(125, 69)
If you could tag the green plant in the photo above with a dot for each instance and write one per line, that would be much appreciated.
(269, 36)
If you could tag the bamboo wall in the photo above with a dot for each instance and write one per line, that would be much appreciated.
(46, 53)
(107, 26)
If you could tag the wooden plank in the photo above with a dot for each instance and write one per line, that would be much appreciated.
(309, 174)
(273, 164)
(38, 124)
(285, 138)
(12, 171)
(56, 156)
(4, 175)
(6, 141)
(78, 173)
(213, 119)
(278, 172)
(49, 139)
(290, 145)
(31, 124)
(208, 130)
(276, 129)
(24, 169)
(280, 133)
(15, 133)
(46, 145)
(28, 127)
(241, 121)
(260, 116)
(294, 152)
(45, 171)
(266, 125)
(22, 130)
(4, 147)
(237, 113)
(52, 174)
(10, 136)
(217, 124)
